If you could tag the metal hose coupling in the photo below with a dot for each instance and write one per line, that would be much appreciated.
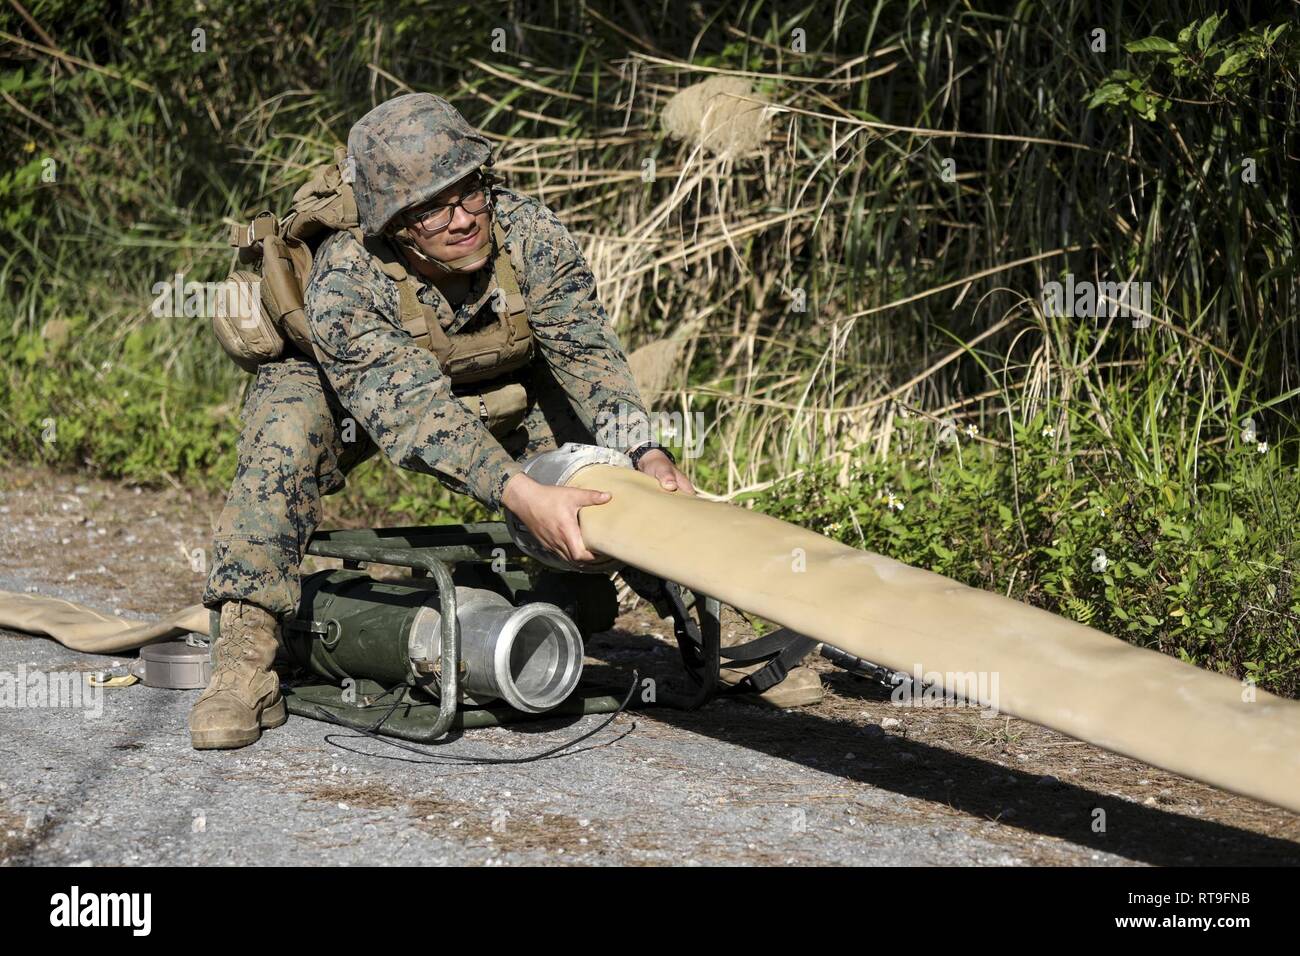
(528, 656)
(556, 468)
(353, 626)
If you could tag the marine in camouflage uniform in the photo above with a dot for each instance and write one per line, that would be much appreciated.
(373, 384)
(370, 385)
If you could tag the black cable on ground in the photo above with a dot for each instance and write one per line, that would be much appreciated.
(373, 732)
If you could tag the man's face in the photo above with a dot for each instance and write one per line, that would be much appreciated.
(446, 232)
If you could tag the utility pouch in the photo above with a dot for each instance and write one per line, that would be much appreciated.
(501, 407)
(242, 325)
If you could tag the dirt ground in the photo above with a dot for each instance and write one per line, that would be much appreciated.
(854, 779)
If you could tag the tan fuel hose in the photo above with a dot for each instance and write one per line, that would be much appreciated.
(1049, 670)
(89, 631)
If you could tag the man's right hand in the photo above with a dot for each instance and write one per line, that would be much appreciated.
(551, 514)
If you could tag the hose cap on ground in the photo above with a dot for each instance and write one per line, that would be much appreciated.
(175, 665)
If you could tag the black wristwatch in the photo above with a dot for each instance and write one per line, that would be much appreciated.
(640, 451)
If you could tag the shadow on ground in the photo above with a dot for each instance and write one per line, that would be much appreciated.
(951, 781)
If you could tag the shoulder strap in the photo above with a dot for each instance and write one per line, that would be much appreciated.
(505, 273)
(410, 311)
(515, 303)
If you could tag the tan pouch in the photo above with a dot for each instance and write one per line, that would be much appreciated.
(242, 325)
(286, 263)
(501, 407)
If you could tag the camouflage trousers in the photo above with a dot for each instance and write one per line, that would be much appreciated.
(296, 445)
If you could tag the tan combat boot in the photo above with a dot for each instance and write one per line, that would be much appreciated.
(243, 696)
(801, 686)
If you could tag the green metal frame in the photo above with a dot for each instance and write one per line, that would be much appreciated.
(435, 565)
(432, 551)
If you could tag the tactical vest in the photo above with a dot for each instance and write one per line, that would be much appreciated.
(466, 357)
(255, 329)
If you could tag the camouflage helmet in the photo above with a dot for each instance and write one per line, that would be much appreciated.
(407, 150)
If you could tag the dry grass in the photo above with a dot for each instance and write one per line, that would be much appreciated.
(721, 115)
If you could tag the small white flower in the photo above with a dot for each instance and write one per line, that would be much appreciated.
(1048, 431)
(891, 500)
(971, 431)
(1262, 447)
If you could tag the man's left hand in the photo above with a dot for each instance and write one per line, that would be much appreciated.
(660, 467)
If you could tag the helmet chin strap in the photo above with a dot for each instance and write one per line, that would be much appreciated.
(466, 263)
(463, 264)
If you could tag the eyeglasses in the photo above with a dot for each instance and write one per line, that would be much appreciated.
(435, 219)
